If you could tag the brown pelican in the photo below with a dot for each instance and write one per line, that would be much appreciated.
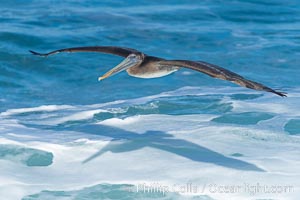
(141, 65)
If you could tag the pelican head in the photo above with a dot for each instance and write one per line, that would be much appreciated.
(132, 60)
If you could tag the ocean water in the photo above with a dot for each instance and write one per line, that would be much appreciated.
(64, 135)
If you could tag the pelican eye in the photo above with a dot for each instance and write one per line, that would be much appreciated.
(133, 57)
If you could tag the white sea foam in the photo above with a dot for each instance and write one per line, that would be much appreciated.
(158, 149)
(156, 122)
(119, 122)
(44, 108)
(156, 165)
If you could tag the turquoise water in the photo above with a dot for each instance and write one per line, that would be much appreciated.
(64, 135)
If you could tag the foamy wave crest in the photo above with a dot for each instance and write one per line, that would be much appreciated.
(44, 108)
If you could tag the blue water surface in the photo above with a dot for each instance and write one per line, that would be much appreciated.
(258, 39)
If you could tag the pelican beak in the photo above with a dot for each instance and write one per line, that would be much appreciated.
(130, 61)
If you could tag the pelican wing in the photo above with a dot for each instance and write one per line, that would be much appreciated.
(120, 51)
(220, 73)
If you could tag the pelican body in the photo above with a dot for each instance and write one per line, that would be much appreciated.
(150, 68)
(141, 65)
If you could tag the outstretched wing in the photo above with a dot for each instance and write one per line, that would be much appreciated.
(220, 73)
(120, 51)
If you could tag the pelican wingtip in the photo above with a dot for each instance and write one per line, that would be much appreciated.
(36, 53)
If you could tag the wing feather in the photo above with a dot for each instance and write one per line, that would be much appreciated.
(120, 51)
(220, 73)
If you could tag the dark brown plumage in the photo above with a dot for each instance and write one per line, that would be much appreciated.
(141, 65)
